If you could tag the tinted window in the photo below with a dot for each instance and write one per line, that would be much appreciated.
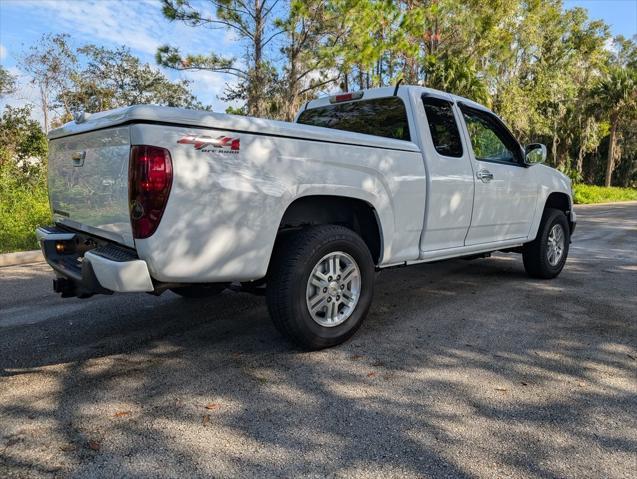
(385, 117)
(443, 127)
(489, 138)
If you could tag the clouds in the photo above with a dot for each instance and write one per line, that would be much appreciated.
(137, 24)
(208, 86)
(133, 24)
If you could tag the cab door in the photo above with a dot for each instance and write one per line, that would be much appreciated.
(450, 182)
(505, 193)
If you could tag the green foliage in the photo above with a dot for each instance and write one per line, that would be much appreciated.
(23, 207)
(22, 142)
(171, 57)
(616, 95)
(231, 110)
(115, 78)
(23, 196)
(7, 82)
(92, 78)
(51, 64)
(254, 24)
(588, 194)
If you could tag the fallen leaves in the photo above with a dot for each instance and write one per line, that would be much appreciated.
(501, 389)
(213, 406)
(94, 445)
(205, 420)
(122, 414)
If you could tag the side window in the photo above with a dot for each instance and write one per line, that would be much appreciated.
(443, 127)
(489, 140)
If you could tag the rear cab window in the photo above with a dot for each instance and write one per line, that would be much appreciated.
(386, 117)
(443, 127)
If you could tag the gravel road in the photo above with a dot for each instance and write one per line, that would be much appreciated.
(462, 369)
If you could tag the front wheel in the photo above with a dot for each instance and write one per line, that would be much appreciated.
(546, 255)
(320, 285)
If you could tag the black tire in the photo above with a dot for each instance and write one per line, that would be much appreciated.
(294, 257)
(535, 254)
(196, 291)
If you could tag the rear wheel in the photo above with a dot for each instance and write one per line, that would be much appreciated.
(199, 290)
(320, 285)
(546, 255)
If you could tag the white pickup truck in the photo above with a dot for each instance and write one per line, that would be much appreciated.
(150, 198)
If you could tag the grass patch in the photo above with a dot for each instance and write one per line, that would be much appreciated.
(589, 194)
(23, 207)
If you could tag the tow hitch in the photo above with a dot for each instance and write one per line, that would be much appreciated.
(64, 286)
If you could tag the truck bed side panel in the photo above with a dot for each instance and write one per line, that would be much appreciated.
(226, 204)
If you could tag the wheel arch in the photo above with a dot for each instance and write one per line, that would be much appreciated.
(561, 201)
(356, 214)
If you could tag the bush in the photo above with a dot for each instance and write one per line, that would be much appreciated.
(588, 194)
(24, 206)
(23, 194)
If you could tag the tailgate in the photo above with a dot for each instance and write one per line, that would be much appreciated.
(88, 182)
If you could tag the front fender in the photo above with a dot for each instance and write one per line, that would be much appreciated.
(550, 181)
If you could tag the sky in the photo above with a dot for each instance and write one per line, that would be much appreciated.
(139, 24)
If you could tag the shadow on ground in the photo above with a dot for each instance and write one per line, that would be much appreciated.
(463, 369)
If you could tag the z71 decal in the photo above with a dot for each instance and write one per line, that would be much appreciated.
(221, 144)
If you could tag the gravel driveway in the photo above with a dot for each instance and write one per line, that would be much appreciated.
(462, 369)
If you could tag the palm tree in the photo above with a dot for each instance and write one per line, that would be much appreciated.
(617, 95)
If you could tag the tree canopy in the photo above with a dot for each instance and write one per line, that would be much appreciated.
(542, 67)
(553, 74)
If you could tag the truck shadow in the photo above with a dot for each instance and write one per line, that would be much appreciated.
(448, 372)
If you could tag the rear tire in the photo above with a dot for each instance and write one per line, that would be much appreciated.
(196, 291)
(545, 256)
(320, 285)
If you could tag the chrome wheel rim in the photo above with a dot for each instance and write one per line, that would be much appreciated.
(333, 289)
(555, 249)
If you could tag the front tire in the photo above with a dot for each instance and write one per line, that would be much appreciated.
(545, 256)
(320, 285)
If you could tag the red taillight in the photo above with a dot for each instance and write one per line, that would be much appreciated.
(150, 177)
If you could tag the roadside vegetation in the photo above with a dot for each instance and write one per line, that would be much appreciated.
(589, 194)
(553, 74)
(23, 194)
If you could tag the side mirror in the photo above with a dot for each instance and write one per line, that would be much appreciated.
(534, 154)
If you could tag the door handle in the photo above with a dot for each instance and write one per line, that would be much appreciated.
(484, 175)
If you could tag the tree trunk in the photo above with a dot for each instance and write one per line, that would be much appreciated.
(610, 164)
(255, 88)
(44, 98)
(579, 166)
